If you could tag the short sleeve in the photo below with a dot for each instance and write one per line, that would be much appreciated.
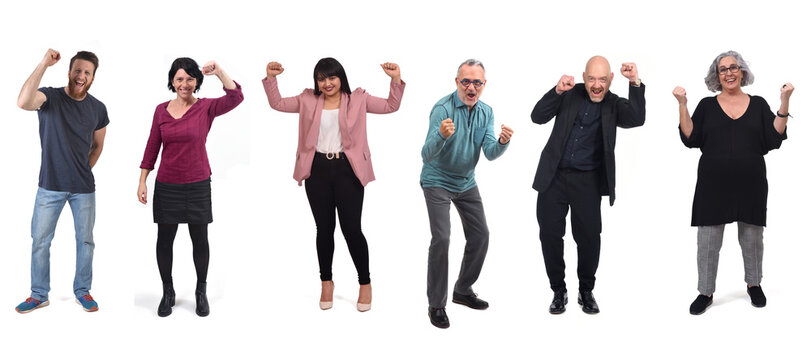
(103, 119)
(695, 139)
(771, 138)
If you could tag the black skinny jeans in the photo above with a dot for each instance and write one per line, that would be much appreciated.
(166, 240)
(333, 185)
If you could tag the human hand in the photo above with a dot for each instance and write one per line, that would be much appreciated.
(274, 69)
(506, 134)
(211, 68)
(629, 71)
(681, 95)
(142, 193)
(51, 57)
(392, 70)
(446, 128)
(785, 92)
(565, 84)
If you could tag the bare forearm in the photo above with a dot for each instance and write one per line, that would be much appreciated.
(685, 122)
(28, 99)
(144, 175)
(95, 153)
(226, 80)
(779, 121)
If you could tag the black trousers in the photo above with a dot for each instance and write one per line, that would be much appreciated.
(333, 185)
(580, 191)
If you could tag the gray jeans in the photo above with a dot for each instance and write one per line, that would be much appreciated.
(471, 211)
(710, 239)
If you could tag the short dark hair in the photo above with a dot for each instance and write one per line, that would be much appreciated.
(86, 55)
(190, 67)
(327, 67)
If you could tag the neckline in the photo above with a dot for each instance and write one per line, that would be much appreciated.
(166, 108)
(748, 106)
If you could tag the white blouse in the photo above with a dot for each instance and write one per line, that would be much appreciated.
(329, 133)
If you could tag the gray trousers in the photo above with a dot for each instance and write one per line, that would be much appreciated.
(710, 239)
(471, 211)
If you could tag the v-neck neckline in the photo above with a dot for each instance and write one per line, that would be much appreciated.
(166, 108)
(748, 106)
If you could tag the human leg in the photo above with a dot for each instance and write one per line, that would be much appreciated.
(47, 208)
(477, 235)
(710, 239)
(552, 208)
(83, 207)
(583, 190)
(438, 202)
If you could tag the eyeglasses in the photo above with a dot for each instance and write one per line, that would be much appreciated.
(732, 69)
(467, 82)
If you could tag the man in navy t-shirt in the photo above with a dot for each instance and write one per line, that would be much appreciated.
(72, 125)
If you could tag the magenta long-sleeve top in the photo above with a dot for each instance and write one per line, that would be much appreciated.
(184, 158)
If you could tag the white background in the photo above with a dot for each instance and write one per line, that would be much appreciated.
(263, 279)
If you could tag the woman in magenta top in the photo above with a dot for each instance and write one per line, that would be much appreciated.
(334, 161)
(183, 185)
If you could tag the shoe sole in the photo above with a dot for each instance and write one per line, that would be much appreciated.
(469, 305)
(41, 305)
(93, 309)
(702, 311)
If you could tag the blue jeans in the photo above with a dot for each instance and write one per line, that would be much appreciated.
(47, 208)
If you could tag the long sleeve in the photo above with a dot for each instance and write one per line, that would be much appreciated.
(153, 144)
(226, 103)
(275, 99)
(434, 141)
(491, 147)
(632, 111)
(376, 105)
(547, 108)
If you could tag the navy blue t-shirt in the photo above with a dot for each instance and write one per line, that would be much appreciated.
(66, 128)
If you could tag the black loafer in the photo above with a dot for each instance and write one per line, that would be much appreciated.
(472, 301)
(700, 304)
(559, 302)
(586, 299)
(439, 318)
(757, 296)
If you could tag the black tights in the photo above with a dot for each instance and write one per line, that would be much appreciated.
(199, 240)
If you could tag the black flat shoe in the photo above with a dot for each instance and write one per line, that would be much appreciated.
(586, 299)
(201, 299)
(472, 301)
(439, 318)
(757, 296)
(700, 304)
(167, 301)
(559, 302)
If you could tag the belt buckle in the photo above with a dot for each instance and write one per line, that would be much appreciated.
(331, 156)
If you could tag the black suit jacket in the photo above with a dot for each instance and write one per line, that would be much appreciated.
(616, 111)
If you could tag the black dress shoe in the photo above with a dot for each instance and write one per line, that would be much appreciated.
(757, 296)
(586, 299)
(472, 301)
(201, 299)
(559, 302)
(439, 318)
(700, 304)
(167, 301)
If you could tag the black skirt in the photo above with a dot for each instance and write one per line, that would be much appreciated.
(182, 203)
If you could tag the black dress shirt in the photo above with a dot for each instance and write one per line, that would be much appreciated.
(584, 148)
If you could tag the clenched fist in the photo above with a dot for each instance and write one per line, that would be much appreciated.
(274, 69)
(565, 84)
(446, 128)
(680, 94)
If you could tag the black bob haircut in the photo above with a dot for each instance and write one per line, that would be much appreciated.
(327, 67)
(190, 67)
(88, 56)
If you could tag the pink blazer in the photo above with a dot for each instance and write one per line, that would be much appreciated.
(351, 119)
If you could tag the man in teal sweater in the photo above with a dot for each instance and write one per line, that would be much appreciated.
(460, 128)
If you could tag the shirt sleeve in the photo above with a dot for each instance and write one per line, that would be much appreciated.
(376, 105)
(695, 139)
(491, 147)
(275, 99)
(226, 103)
(771, 138)
(434, 141)
(104, 120)
(153, 144)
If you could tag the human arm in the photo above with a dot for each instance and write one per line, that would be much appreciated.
(275, 99)
(97, 145)
(378, 105)
(233, 92)
(685, 122)
(30, 98)
(549, 105)
(631, 112)
(440, 127)
(492, 147)
(781, 121)
(142, 191)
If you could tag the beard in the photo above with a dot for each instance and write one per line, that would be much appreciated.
(78, 94)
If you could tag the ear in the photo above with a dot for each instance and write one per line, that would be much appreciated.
(611, 77)
(584, 76)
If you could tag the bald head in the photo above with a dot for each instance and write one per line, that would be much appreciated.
(597, 78)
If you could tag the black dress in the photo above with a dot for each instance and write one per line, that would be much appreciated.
(732, 182)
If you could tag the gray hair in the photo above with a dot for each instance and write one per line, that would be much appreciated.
(470, 62)
(712, 74)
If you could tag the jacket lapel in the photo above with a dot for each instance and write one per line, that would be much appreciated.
(312, 134)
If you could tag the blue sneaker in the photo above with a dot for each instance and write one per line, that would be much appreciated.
(30, 305)
(87, 302)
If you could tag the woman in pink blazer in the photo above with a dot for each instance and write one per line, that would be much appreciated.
(333, 160)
